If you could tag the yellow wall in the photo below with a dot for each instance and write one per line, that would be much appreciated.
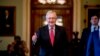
(83, 12)
(19, 8)
(87, 2)
(18, 4)
(22, 22)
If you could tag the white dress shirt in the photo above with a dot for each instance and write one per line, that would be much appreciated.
(53, 29)
(92, 28)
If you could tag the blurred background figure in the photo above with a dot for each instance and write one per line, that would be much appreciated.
(10, 51)
(93, 43)
(20, 47)
(86, 32)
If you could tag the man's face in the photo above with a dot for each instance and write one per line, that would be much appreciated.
(51, 19)
(6, 12)
(94, 20)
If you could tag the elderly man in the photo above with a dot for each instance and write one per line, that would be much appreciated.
(51, 38)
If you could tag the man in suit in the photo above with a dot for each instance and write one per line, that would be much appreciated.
(86, 32)
(51, 38)
(93, 44)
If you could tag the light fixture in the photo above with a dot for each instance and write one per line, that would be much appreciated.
(61, 1)
(52, 1)
(42, 1)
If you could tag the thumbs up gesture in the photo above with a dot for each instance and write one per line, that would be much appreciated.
(34, 37)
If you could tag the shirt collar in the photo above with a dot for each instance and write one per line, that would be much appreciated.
(92, 28)
(50, 27)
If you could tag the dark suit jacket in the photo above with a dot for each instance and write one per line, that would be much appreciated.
(60, 43)
(93, 44)
(83, 42)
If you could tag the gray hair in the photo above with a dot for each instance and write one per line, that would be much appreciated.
(49, 12)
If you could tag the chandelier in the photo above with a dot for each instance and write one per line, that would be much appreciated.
(52, 1)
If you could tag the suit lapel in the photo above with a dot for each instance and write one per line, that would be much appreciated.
(56, 34)
(47, 34)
